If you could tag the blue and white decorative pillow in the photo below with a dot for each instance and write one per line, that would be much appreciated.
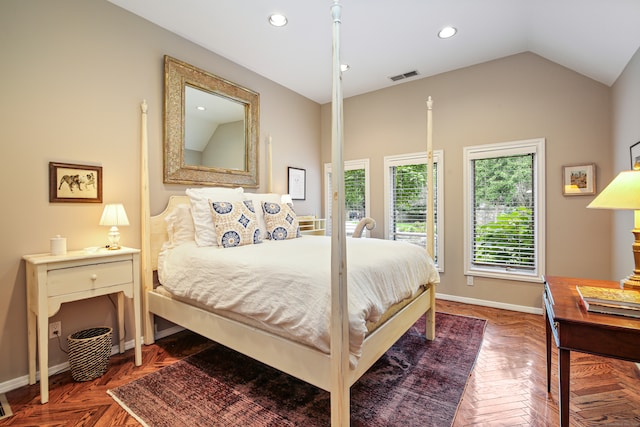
(235, 223)
(281, 221)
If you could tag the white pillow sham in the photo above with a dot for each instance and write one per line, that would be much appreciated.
(205, 233)
(180, 227)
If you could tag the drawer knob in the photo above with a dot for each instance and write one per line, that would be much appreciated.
(94, 277)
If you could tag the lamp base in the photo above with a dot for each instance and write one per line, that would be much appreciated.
(631, 282)
(114, 238)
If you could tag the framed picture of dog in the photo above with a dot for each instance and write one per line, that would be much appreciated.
(75, 183)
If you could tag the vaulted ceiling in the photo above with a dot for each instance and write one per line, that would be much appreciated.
(382, 38)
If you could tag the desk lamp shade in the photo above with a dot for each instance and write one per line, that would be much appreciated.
(113, 216)
(623, 193)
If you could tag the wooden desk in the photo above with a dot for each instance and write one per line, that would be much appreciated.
(575, 329)
(53, 280)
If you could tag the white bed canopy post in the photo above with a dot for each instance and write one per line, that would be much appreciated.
(145, 215)
(430, 175)
(269, 165)
(340, 412)
(430, 320)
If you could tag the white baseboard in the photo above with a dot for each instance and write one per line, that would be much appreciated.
(492, 304)
(53, 370)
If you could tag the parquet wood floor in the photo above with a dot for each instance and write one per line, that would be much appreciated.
(507, 386)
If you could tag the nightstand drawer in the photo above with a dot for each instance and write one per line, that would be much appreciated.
(94, 276)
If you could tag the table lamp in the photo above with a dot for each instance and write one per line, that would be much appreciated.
(114, 215)
(624, 193)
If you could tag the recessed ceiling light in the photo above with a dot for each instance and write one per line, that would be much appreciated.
(344, 67)
(278, 20)
(201, 108)
(447, 32)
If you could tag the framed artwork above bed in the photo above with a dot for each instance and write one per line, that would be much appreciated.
(297, 183)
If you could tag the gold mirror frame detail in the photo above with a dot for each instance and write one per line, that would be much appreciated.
(177, 75)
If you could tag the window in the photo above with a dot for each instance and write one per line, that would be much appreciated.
(504, 210)
(356, 193)
(405, 200)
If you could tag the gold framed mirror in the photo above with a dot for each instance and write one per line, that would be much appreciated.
(211, 128)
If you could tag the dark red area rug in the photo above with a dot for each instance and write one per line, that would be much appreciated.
(415, 383)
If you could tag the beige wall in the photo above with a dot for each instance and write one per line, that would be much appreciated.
(626, 132)
(73, 75)
(516, 98)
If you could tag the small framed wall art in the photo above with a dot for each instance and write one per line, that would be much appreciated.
(75, 183)
(579, 180)
(297, 183)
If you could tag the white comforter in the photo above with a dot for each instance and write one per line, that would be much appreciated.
(287, 284)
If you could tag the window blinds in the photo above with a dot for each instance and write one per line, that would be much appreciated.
(503, 212)
(408, 209)
(355, 200)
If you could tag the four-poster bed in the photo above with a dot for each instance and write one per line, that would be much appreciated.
(333, 369)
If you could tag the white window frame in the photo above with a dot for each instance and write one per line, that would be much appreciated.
(413, 159)
(348, 165)
(530, 146)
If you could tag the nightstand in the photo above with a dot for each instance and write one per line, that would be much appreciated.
(77, 275)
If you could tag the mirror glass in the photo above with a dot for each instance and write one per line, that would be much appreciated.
(211, 128)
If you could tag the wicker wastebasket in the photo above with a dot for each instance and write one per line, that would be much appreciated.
(89, 352)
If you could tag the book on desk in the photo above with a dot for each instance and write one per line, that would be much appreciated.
(623, 302)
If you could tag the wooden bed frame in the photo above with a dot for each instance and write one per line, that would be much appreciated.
(301, 361)
(330, 372)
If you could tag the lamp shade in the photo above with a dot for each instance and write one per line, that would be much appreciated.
(286, 198)
(621, 193)
(114, 214)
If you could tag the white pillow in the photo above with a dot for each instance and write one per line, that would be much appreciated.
(281, 220)
(201, 210)
(180, 225)
(258, 199)
(235, 223)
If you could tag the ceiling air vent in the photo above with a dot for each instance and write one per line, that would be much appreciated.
(404, 75)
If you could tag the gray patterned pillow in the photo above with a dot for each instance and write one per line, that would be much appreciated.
(281, 221)
(235, 223)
